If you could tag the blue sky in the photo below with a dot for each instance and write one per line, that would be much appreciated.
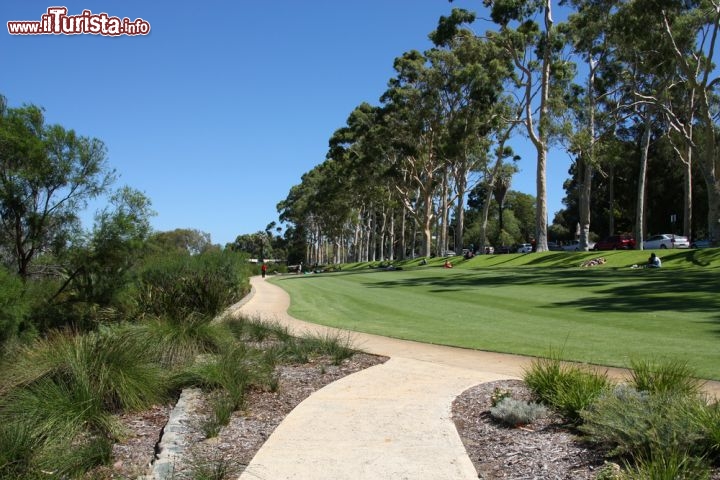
(218, 112)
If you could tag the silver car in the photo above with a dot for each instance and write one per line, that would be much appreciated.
(666, 240)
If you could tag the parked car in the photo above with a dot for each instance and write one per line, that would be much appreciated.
(701, 243)
(666, 240)
(524, 248)
(574, 246)
(504, 249)
(489, 250)
(555, 247)
(615, 242)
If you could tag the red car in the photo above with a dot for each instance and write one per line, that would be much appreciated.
(616, 242)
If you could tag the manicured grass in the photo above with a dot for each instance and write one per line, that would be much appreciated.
(532, 304)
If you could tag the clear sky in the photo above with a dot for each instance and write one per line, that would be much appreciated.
(219, 110)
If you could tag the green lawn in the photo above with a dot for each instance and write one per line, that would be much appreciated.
(531, 304)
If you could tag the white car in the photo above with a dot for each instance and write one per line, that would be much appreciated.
(666, 240)
(524, 248)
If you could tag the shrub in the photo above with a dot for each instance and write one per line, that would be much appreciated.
(543, 376)
(665, 376)
(60, 393)
(671, 466)
(178, 286)
(337, 345)
(517, 412)
(635, 423)
(175, 343)
(221, 409)
(13, 306)
(232, 370)
(576, 390)
(256, 329)
(707, 417)
(567, 388)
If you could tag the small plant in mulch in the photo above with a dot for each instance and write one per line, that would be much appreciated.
(517, 413)
(498, 395)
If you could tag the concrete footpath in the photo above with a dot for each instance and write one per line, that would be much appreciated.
(388, 422)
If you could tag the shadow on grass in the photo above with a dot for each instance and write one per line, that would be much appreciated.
(599, 290)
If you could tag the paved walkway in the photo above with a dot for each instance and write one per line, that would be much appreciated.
(388, 422)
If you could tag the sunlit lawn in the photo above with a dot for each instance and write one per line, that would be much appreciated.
(604, 315)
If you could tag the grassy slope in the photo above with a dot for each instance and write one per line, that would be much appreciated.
(531, 303)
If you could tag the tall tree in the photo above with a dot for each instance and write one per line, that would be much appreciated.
(47, 175)
(542, 76)
(415, 117)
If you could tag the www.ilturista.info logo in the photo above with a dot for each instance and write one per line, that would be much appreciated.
(57, 22)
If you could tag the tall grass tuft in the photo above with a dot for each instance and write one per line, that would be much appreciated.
(60, 397)
(543, 375)
(645, 425)
(233, 370)
(569, 389)
(665, 376)
(672, 466)
(175, 343)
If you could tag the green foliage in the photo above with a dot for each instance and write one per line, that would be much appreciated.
(214, 467)
(176, 342)
(647, 425)
(13, 305)
(232, 370)
(180, 286)
(17, 449)
(257, 330)
(516, 413)
(543, 376)
(577, 390)
(221, 408)
(48, 174)
(672, 466)
(182, 240)
(337, 345)
(665, 377)
(569, 389)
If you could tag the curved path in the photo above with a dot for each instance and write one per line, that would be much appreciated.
(390, 421)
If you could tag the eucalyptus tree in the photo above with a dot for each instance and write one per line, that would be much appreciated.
(587, 31)
(362, 148)
(414, 116)
(691, 30)
(474, 72)
(542, 77)
(47, 175)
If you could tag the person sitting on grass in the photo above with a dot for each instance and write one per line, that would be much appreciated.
(654, 261)
(447, 264)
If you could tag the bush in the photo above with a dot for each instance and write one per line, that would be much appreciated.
(644, 425)
(665, 376)
(232, 370)
(174, 343)
(673, 466)
(179, 286)
(13, 305)
(60, 393)
(577, 390)
(544, 375)
(567, 388)
(516, 412)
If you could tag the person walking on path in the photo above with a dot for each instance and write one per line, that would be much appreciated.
(263, 269)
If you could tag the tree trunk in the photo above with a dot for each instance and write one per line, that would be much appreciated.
(611, 200)
(687, 196)
(642, 176)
